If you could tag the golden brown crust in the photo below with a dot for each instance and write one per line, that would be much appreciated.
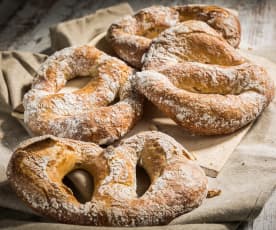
(222, 20)
(130, 37)
(201, 82)
(178, 185)
(85, 114)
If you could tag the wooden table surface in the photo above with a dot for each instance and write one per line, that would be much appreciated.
(24, 26)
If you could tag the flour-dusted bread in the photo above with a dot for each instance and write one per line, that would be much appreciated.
(130, 37)
(178, 185)
(87, 114)
(195, 77)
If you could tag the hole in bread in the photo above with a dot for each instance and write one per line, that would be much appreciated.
(117, 99)
(75, 84)
(81, 184)
(142, 181)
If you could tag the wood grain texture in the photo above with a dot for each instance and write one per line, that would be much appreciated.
(24, 25)
(28, 28)
(267, 218)
(7, 10)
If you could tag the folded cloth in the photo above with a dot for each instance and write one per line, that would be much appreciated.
(17, 70)
(246, 181)
(83, 30)
(31, 225)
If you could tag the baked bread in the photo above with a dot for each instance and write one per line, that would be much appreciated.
(90, 113)
(195, 77)
(178, 185)
(131, 36)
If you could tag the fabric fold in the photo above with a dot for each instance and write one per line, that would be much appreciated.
(83, 30)
(17, 71)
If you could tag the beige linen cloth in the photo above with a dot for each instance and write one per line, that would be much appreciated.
(246, 181)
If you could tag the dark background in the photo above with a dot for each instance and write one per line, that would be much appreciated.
(24, 24)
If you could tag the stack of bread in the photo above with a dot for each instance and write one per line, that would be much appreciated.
(184, 60)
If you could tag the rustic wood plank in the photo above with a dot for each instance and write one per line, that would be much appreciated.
(258, 28)
(23, 21)
(267, 218)
(7, 9)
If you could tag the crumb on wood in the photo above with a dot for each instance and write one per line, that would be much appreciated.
(213, 192)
